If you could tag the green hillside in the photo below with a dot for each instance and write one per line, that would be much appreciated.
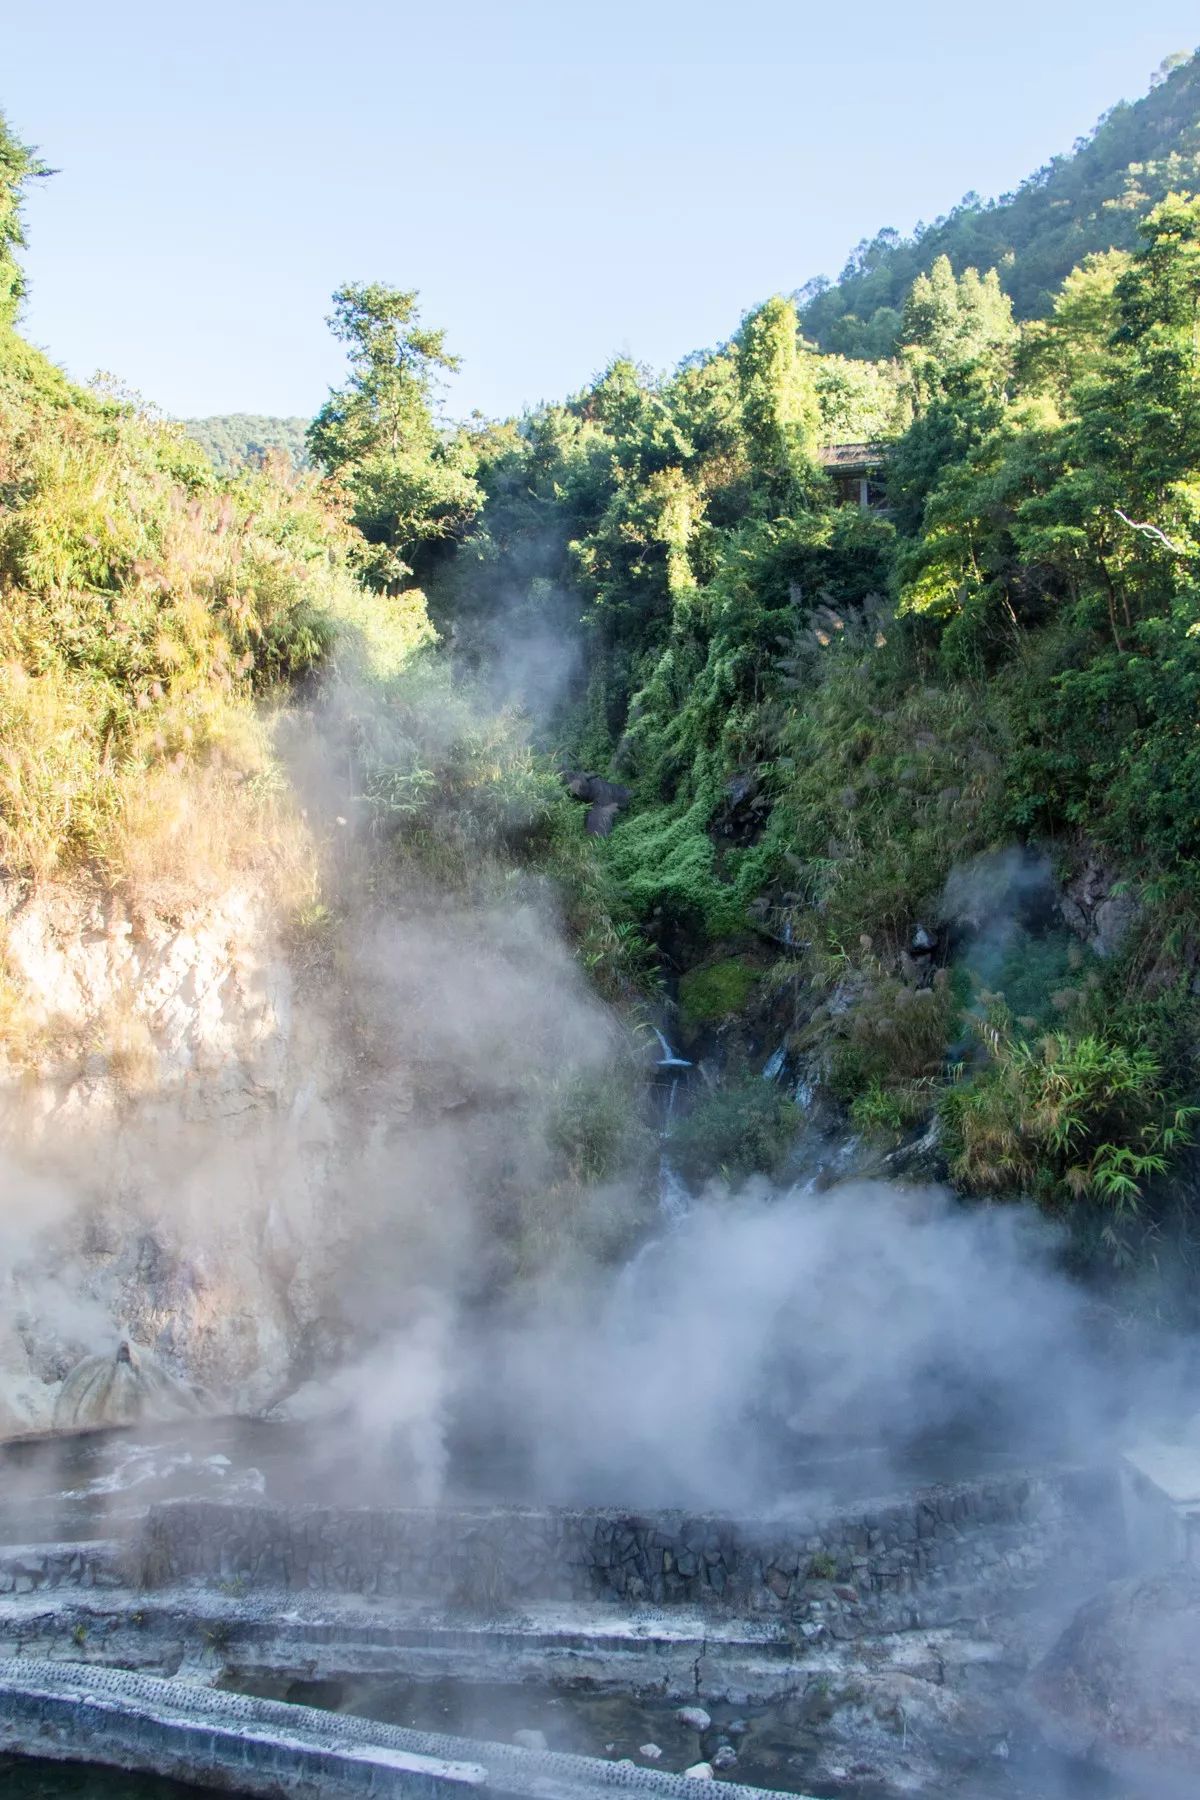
(1089, 200)
(234, 439)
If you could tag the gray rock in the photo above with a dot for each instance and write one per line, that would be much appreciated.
(700, 1772)
(651, 1752)
(695, 1717)
(1122, 1684)
(530, 1740)
(1096, 907)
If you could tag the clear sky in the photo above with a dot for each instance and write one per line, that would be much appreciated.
(562, 181)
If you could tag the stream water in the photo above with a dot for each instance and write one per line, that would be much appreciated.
(21, 1779)
(81, 1486)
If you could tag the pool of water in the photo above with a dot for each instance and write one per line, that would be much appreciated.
(82, 1485)
(24, 1779)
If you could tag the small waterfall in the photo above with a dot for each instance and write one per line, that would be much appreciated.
(670, 1059)
(674, 1201)
(773, 1067)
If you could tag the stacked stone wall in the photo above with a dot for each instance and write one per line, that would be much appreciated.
(849, 1570)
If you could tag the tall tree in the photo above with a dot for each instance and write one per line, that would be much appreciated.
(780, 411)
(410, 481)
(19, 165)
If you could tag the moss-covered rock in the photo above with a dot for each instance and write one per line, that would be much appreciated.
(716, 992)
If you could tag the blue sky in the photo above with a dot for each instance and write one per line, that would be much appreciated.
(561, 182)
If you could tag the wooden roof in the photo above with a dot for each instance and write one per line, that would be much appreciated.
(849, 457)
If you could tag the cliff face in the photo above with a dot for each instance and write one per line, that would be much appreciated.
(260, 1158)
(163, 1159)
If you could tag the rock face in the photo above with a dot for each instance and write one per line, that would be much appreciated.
(161, 1158)
(1122, 1685)
(263, 1158)
(1096, 907)
(123, 1389)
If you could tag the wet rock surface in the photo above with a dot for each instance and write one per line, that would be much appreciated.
(1122, 1684)
(603, 799)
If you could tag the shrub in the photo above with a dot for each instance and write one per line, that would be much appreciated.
(147, 606)
(593, 1130)
(1064, 1118)
(741, 1129)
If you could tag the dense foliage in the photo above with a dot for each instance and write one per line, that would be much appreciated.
(823, 710)
(231, 440)
(409, 483)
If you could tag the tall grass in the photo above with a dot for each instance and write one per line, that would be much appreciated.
(147, 609)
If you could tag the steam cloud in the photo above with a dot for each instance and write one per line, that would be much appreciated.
(365, 1238)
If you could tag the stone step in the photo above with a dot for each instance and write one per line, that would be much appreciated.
(280, 1637)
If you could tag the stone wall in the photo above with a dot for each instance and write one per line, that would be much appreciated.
(32, 1568)
(888, 1563)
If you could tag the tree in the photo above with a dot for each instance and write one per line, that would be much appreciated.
(410, 482)
(781, 415)
(19, 164)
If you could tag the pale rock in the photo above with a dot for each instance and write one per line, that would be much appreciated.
(529, 1739)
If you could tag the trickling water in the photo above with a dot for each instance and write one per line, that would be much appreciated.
(670, 1059)
(674, 1201)
(773, 1067)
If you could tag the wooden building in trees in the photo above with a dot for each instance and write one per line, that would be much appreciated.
(856, 471)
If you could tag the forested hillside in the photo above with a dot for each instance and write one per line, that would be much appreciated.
(233, 439)
(1074, 206)
(903, 796)
(825, 714)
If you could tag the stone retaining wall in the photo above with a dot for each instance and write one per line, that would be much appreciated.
(27, 1569)
(847, 1571)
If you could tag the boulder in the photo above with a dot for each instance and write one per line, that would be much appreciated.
(603, 799)
(1122, 1684)
(530, 1739)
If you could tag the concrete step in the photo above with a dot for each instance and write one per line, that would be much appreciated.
(280, 1636)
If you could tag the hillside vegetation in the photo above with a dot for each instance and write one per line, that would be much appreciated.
(231, 440)
(1074, 206)
(824, 712)
(878, 759)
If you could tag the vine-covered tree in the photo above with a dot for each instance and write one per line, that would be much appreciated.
(780, 410)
